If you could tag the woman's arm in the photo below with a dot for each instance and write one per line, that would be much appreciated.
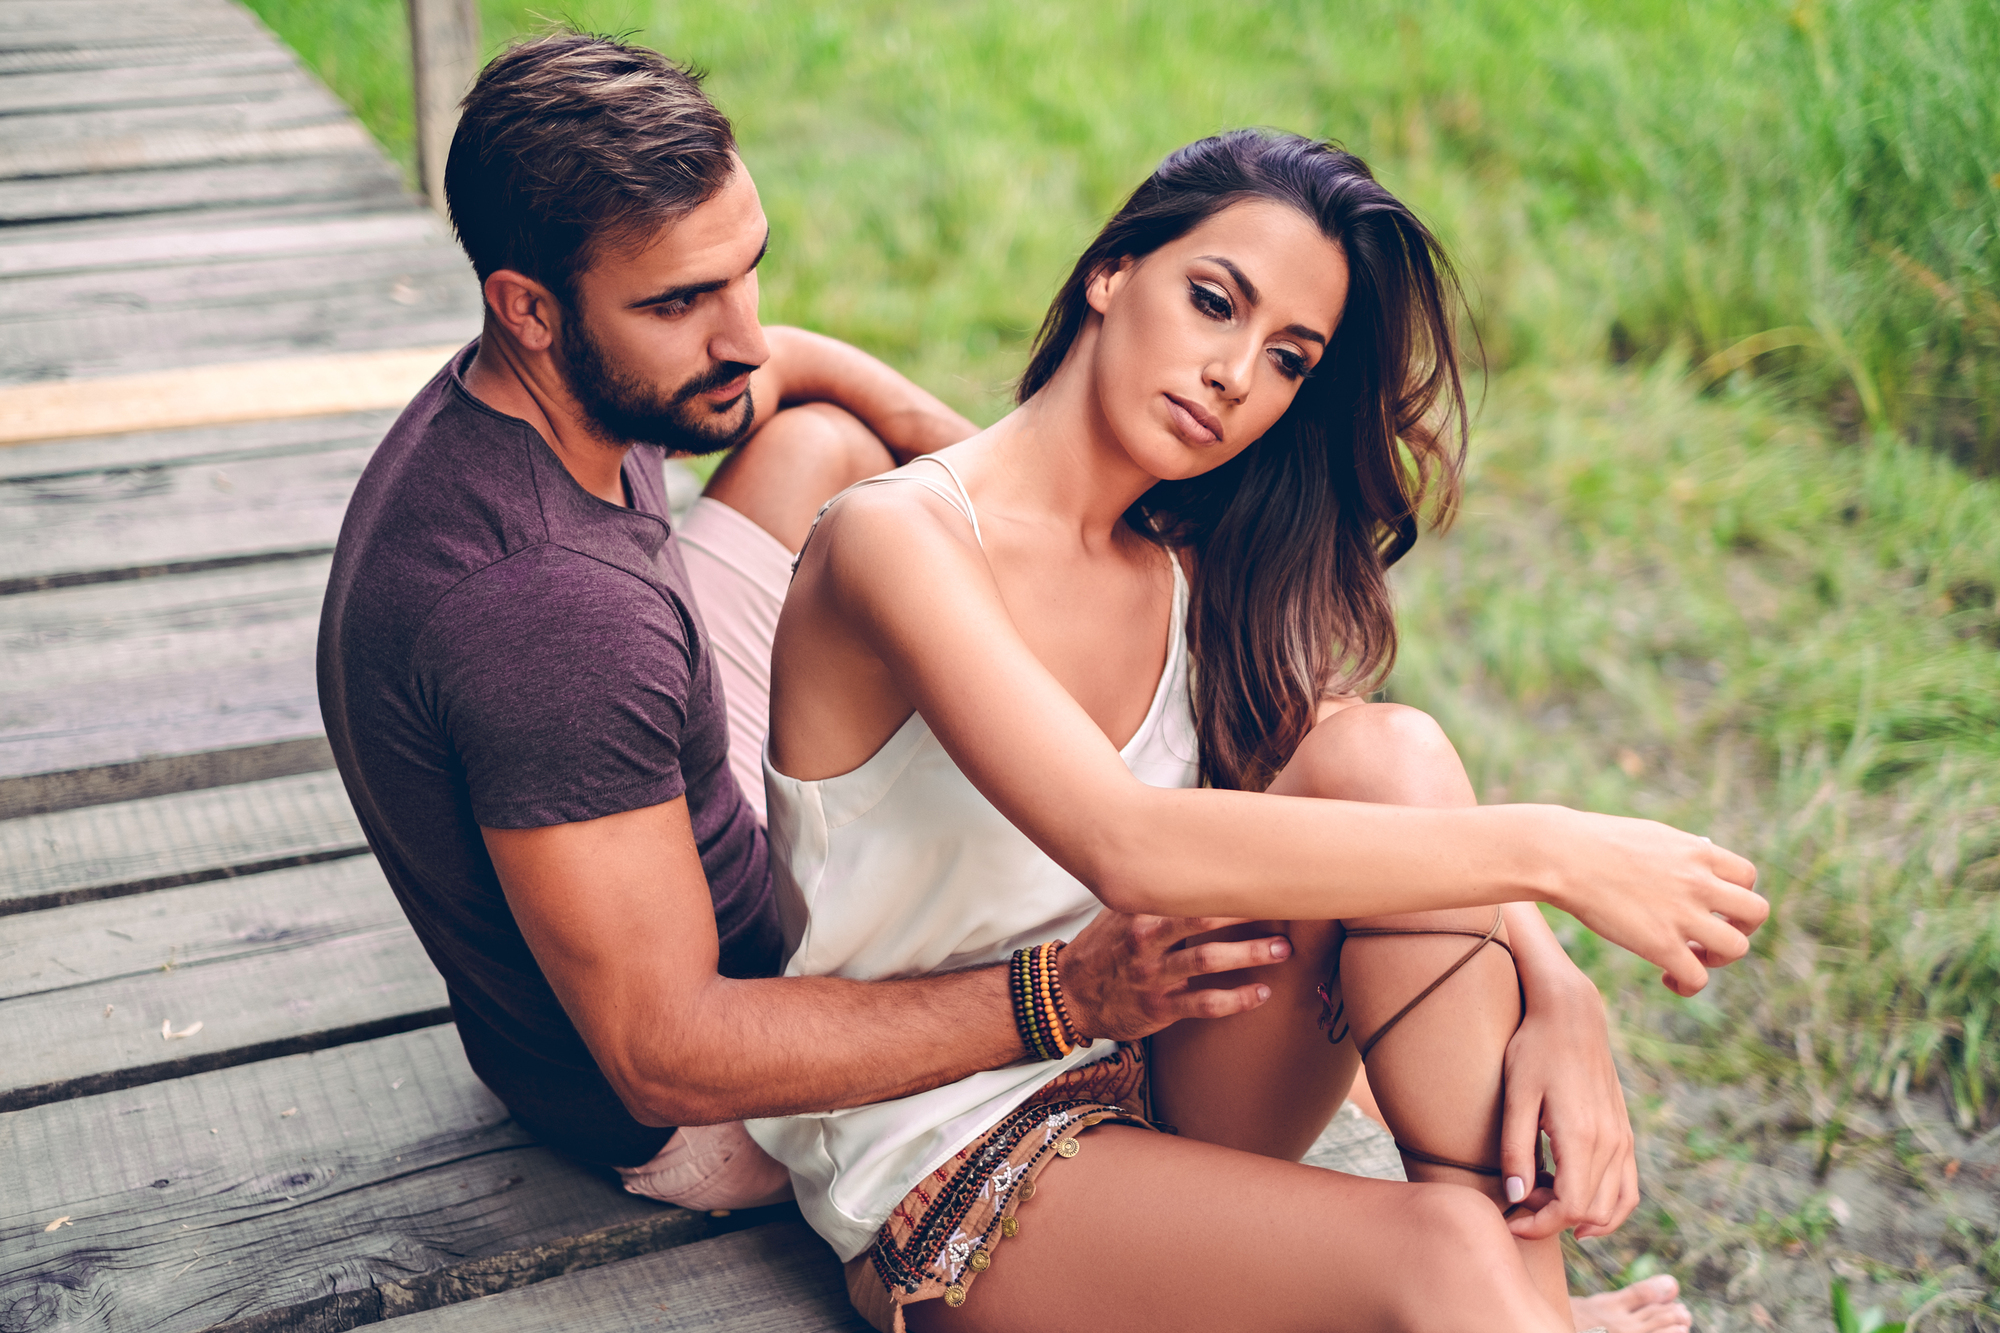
(894, 582)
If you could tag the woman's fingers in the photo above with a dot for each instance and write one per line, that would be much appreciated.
(1520, 1140)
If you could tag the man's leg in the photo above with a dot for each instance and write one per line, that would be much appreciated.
(738, 542)
(803, 457)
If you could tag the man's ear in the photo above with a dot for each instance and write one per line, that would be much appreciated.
(523, 307)
(1105, 282)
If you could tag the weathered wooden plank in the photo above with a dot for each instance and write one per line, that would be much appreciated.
(287, 100)
(91, 53)
(340, 1188)
(112, 633)
(67, 467)
(131, 670)
(278, 912)
(70, 789)
(254, 1000)
(117, 228)
(259, 75)
(173, 512)
(428, 310)
(409, 229)
(194, 145)
(109, 851)
(358, 180)
(398, 274)
(43, 25)
(49, 733)
(771, 1279)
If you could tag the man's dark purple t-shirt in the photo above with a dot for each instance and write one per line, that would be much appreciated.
(499, 647)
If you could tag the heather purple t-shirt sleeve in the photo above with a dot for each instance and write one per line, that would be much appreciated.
(563, 684)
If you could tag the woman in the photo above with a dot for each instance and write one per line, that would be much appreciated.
(1110, 652)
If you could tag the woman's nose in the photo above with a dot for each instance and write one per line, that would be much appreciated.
(1230, 376)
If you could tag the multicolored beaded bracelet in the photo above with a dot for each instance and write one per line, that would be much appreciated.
(1040, 1013)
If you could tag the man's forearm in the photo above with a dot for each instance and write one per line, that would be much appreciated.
(784, 1045)
(808, 367)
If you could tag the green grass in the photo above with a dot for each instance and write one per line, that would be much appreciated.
(1655, 178)
(1731, 552)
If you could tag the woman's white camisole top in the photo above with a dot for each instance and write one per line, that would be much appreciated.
(899, 868)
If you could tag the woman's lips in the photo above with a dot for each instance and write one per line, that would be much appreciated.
(1195, 425)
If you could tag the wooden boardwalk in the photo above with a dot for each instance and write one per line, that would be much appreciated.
(229, 1091)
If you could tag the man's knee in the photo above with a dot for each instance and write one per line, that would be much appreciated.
(828, 440)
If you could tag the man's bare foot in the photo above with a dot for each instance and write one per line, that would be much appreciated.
(1650, 1306)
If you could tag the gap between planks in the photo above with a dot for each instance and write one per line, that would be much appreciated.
(188, 837)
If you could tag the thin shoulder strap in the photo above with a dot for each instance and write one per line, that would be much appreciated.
(960, 501)
(964, 504)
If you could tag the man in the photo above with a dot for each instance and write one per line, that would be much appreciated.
(521, 690)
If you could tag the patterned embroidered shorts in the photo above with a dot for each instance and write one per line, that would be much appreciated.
(944, 1233)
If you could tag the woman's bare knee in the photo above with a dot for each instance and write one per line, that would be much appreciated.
(1386, 754)
(1475, 1272)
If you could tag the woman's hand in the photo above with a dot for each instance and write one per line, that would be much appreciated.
(1674, 899)
(1560, 1081)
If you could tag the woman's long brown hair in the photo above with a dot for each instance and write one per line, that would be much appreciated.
(1293, 538)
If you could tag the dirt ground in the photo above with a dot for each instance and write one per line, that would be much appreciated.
(1759, 1207)
(1757, 1217)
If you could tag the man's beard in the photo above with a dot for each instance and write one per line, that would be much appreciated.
(622, 409)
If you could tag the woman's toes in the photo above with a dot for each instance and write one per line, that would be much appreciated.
(1648, 1306)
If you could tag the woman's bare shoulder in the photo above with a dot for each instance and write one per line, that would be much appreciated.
(891, 520)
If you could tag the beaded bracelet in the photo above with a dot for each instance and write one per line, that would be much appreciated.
(1021, 986)
(1040, 1013)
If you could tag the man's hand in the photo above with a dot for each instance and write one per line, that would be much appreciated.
(1126, 977)
(1560, 1080)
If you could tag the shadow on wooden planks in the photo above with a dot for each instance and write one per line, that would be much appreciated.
(319, 1191)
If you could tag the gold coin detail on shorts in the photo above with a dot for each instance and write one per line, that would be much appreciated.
(1027, 1191)
(1011, 1227)
(1069, 1148)
(954, 1295)
(979, 1261)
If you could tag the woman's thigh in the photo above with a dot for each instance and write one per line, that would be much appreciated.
(1146, 1231)
(1267, 1081)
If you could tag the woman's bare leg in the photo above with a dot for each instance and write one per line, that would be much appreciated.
(797, 461)
(1148, 1232)
(1267, 1082)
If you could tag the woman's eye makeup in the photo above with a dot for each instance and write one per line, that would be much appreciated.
(1209, 301)
(1217, 306)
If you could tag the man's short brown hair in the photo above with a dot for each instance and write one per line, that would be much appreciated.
(568, 141)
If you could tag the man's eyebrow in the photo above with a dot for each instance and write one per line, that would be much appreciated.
(675, 295)
(1249, 290)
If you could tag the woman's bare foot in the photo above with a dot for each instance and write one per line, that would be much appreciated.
(1650, 1306)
